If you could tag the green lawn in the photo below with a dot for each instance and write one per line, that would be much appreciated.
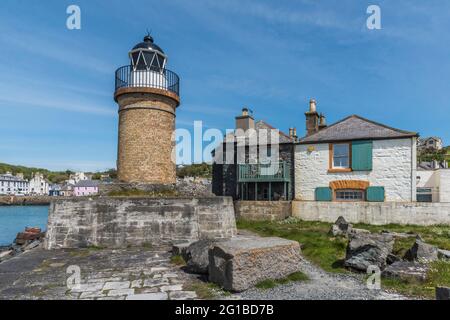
(328, 252)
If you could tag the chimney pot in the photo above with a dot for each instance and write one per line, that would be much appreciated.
(312, 105)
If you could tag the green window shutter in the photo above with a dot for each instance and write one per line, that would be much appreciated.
(362, 155)
(375, 194)
(323, 194)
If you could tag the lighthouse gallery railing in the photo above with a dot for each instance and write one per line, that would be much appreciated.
(165, 79)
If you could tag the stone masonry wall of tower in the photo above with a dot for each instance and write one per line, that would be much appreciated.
(146, 124)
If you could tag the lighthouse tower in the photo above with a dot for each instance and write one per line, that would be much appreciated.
(147, 94)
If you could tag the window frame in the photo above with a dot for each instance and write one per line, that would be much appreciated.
(362, 199)
(331, 167)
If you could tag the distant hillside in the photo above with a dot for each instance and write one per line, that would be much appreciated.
(203, 170)
(52, 176)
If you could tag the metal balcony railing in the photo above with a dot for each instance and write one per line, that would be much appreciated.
(158, 78)
(264, 172)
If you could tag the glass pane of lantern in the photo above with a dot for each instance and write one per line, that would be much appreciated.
(148, 57)
(161, 60)
(141, 63)
(155, 64)
(134, 57)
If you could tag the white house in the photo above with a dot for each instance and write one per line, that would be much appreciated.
(13, 185)
(77, 177)
(38, 185)
(433, 185)
(355, 159)
(433, 143)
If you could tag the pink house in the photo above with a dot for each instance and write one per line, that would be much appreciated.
(85, 188)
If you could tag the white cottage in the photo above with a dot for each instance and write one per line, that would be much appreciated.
(355, 159)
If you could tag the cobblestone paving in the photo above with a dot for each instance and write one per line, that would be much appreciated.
(126, 274)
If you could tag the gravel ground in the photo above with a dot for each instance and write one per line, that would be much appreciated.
(320, 286)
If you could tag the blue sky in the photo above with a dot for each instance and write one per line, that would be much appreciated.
(56, 85)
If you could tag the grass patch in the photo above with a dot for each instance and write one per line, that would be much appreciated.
(141, 193)
(438, 235)
(317, 245)
(177, 260)
(439, 275)
(206, 290)
(271, 283)
(328, 252)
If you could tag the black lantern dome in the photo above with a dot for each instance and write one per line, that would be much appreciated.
(147, 55)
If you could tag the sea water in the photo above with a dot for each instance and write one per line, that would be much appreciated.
(14, 219)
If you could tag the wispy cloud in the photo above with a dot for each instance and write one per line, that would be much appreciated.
(56, 104)
(54, 47)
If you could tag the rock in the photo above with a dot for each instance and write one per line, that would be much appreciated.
(407, 270)
(442, 293)
(180, 248)
(358, 231)
(444, 254)
(391, 258)
(32, 245)
(421, 251)
(399, 234)
(5, 254)
(196, 256)
(365, 249)
(341, 227)
(240, 263)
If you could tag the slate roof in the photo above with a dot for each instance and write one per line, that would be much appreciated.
(259, 125)
(86, 183)
(355, 127)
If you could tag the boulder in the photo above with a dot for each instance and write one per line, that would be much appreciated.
(444, 254)
(196, 256)
(365, 249)
(407, 270)
(240, 263)
(421, 251)
(180, 248)
(5, 254)
(391, 258)
(341, 227)
(357, 231)
(442, 293)
(32, 245)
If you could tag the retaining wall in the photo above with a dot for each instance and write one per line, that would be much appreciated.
(376, 213)
(121, 222)
(262, 210)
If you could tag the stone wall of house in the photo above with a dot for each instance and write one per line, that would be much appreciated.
(121, 222)
(262, 210)
(146, 124)
(394, 167)
(444, 185)
(376, 213)
(225, 176)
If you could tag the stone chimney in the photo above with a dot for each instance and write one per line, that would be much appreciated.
(312, 118)
(322, 122)
(293, 133)
(245, 121)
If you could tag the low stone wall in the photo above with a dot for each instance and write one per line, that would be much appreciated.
(262, 210)
(121, 222)
(376, 213)
(27, 200)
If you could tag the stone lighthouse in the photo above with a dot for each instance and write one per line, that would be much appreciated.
(147, 94)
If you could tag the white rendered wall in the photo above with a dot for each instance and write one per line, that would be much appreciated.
(444, 185)
(394, 167)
